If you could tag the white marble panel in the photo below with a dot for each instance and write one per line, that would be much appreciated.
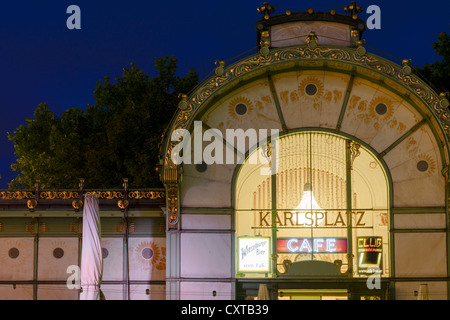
(56, 292)
(113, 291)
(155, 292)
(295, 33)
(415, 185)
(205, 291)
(20, 292)
(147, 258)
(424, 192)
(420, 254)
(55, 255)
(211, 188)
(205, 222)
(16, 258)
(419, 221)
(408, 290)
(205, 255)
(112, 250)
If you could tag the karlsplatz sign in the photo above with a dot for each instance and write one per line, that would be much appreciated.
(312, 219)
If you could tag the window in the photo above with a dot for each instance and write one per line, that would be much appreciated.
(328, 201)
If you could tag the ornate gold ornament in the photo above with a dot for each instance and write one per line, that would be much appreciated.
(123, 204)
(219, 69)
(32, 204)
(16, 195)
(353, 9)
(59, 195)
(172, 206)
(150, 195)
(77, 204)
(266, 9)
(360, 47)
(407, 66)
(312, 40)
(182, 104)
(354, 151)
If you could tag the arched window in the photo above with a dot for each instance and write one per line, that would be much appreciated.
(324, 210)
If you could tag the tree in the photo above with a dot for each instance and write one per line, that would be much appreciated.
(117, 137)
(438, 72)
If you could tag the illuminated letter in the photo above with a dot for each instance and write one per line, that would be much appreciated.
(331, 245)
(305, 245)
(374, 21)
(318, 244)
(379, 243)
(74, 21)
(289, 245)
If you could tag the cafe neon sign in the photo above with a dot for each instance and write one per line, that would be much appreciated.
(312, 245)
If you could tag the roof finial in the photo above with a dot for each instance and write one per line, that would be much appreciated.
(266, 9)
(353, 9)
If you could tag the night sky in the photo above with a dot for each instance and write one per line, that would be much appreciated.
(41, 60)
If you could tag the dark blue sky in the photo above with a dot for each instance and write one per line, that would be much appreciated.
(43, 61)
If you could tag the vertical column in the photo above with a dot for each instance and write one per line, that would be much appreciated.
(348, 164)
(274, 211)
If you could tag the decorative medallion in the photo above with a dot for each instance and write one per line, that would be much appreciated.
(149, 255)
(311, 88)
(377, 112)
(58, 253)
(426, 164)
(239, 106)
(13, 253)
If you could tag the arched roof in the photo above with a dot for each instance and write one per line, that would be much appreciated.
(337, 59)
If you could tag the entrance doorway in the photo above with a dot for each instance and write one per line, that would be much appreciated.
(312, 294)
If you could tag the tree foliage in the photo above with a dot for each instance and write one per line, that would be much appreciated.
(117, 137)
(438, 72)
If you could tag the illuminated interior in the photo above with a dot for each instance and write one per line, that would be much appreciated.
(301, 210)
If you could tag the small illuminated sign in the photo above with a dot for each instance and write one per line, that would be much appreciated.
(312, 245)
(254, 254)
(370, 252)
